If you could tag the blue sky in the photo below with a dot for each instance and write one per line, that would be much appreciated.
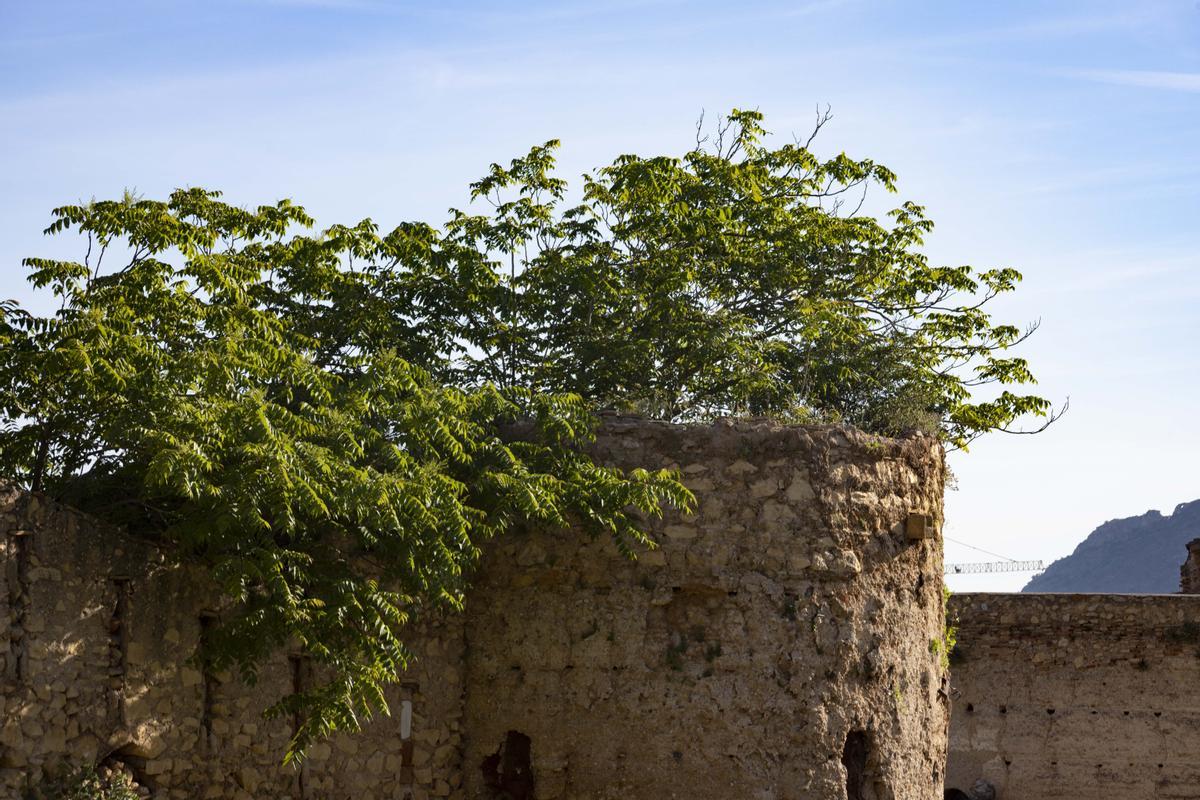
(1059, 138)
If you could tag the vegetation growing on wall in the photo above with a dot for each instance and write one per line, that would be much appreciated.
(735, 279)
(86, 784)
(325, 419)
(944, 646)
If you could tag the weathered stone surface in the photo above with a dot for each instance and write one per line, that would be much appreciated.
(787, 613)
(777, 640)
(1076, 695)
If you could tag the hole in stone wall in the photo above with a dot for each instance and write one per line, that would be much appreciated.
(970, 707)
(854, 759)
(130, 759)
(956, 794)
(507, 773)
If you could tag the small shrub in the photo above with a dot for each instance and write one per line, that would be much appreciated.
(1186, 633)
(86, 783)
(675, 653)
(788, 611)
(945, 646)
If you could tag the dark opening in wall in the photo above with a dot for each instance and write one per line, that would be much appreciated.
(956, 794)
(130, 759)
(854, 759)
(508, 773)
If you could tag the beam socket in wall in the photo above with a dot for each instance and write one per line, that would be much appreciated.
(918, 527)
(406, 742)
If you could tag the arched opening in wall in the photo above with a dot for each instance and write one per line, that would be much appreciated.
(131, 760)
(854, 758)
(508, 772)
(956, 794)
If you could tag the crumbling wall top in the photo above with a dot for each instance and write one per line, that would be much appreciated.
(1189, 573)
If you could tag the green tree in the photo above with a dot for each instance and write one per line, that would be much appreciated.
(333, 423)
(738, 279)
(332, 487)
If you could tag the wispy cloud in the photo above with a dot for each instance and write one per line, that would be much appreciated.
(1149, 79)
(1045, 27)
(333, 5)
(51, 40)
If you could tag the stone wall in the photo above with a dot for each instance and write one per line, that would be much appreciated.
(777, 645)
(781, 631)
(1189, 573)
(1061, 695)
(95, 670)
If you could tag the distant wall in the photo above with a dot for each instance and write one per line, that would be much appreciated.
(1058, 696)
(776, 646)
(1189, 573)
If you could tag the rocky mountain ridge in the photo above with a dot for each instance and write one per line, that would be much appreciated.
(1137, 555)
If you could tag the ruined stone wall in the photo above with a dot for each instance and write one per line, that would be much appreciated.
(777, 645)
(1062, 695)
(95, 638)
(1189, 573)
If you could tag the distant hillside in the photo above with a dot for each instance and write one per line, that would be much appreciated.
(1136, 555)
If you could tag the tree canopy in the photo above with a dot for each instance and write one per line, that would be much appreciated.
(322, 418)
